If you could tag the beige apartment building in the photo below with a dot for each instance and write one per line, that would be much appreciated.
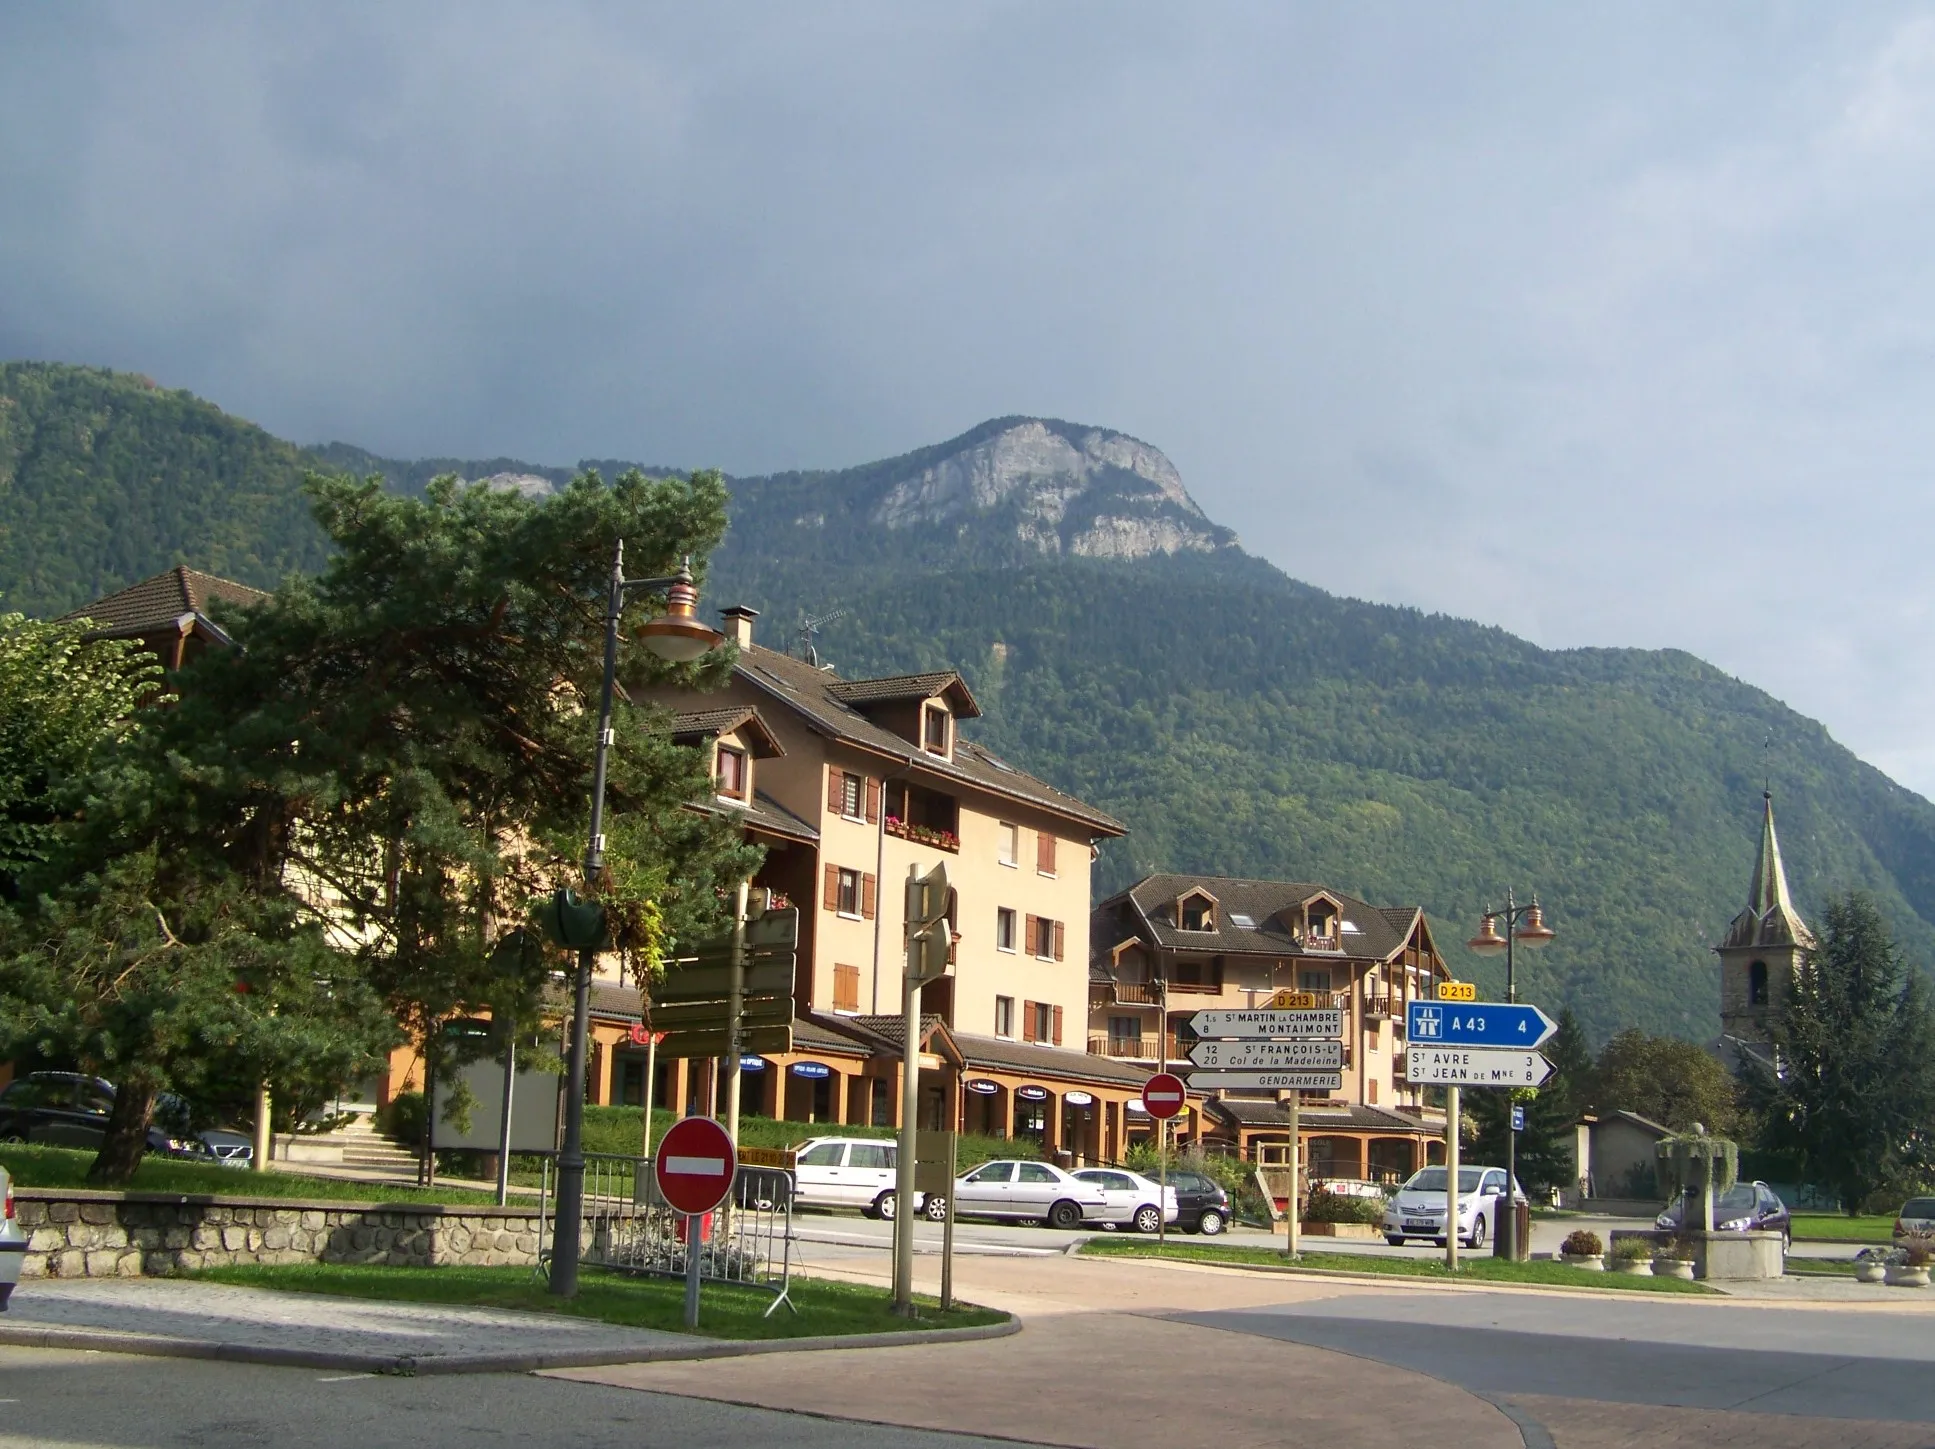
(851, 785)
(1173, 945)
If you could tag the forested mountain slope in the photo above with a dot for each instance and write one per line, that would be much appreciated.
(1126, 648)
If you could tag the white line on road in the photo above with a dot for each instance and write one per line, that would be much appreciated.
(332, 1379)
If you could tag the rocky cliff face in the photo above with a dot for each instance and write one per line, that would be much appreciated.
(1062, 488)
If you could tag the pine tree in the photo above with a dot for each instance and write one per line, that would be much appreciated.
(1851, 1087)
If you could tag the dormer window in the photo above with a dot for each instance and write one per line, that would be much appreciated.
(731, 772)
(936, 730)
(1196, 912)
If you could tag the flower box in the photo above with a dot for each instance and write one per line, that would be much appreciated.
(924, 834)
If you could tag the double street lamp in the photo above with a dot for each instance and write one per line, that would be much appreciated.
(1523, 926)
(678, 637)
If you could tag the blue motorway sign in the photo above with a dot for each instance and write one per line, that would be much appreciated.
(1477, 1024)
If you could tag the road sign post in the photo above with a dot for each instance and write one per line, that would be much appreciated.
(694, 1171)
(1163, 1096)
(1480, 1024)
(928, 933)
(1451, 1179)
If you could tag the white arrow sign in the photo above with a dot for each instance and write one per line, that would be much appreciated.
(1267, 1055)
(1475, 1067)
(1270, 1025)
(1200, 1081)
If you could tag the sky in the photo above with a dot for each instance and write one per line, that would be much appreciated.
(1612, 325)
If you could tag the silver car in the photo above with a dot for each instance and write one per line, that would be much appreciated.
(13, 1242)
(1134, 1201)
(1418, 1209)
(1029, 1192)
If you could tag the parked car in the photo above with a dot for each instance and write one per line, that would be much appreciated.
(857, 1172)
(229, 1149)
(1133, 1200)
(1745, 1207)
(1201, 1204)
(1029, 1192)
(13, 1242)
(66, 1109)
(1917, 1217)
(1418, 1208)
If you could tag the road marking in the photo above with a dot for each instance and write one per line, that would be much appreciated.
(332, 1379)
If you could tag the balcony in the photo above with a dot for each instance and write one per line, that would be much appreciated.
(1383, 1006)
(1137, 993)
(924, 834)
(1131, 1048)
(1321, 945)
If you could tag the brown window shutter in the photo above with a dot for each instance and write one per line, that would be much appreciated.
(1058, 1026)
(833, 888)
(1044, 852)
(1033, 938)
(836, 789)
(1058, 944)
(868, 884)
(873, 801)
(1027, 1021)
(846, 988)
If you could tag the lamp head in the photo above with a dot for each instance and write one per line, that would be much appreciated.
(678, 636)
(1487, 942)
(1533, 932)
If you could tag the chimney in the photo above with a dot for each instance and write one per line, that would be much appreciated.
(739, 624)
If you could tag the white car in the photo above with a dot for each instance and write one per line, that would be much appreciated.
(1133, 1200)
(854, 1172)
(1418, 1209)
(1029, 1192)
(13, 1242)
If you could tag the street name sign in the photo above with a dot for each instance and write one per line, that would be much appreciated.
(1288, 1055)
(1162, 1095)
(1265, 1025)
(1266, 1081)
(694, 1165)
(1474, 1067)
(1484, 1024)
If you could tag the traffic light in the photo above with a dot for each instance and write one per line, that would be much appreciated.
(930, 925)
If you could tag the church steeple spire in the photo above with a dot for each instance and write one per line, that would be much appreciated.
(1768, 898)
(1764, 945)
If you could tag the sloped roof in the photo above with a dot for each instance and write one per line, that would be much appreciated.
(1382, 930)
(1254, 1112)
(1033, 1059)
(811, 693)
(893, 688)
(161, 602)
(764, 813)
(1770, 918)
(697, 724)
(891, 1031)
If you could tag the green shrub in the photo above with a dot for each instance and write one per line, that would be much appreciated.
(1337, 1207)
(1631, 1250)
(402, 1119)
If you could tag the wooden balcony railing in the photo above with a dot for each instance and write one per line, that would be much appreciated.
(1138, 993)
(1132, 1048)
(1382, 1006)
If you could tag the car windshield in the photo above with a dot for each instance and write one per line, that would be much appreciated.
(1731, 1203)
(1432, 1179)
(1919, 1207)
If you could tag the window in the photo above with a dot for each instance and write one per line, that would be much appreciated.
(1009, 837)
(846, 988)
(1036, 1172)
(823, 1154)
(1004, 1016)
(1044, 853)
(993, 1172)
(1757, 984)
(1042, 1021)
(1046, 939)
(933, 730)
(1198, 914)
(1313, 980)
(1242, 922)
(1125, 1028)
(868, 1154)
(849, 892)
(853, 795)
(731, 772)
(856, 797)
(1004, 929)
(1373, 1090)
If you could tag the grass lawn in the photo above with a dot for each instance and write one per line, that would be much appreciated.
(1820, 1267)
(825, 1307)
(67, 1167)
(1840, 1228)
(1476, 1269)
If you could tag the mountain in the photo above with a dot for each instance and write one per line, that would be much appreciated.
(1124, 646)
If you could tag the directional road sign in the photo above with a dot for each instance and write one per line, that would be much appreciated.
(1270, 1025)
(694, 1165)
(1268, 1055)
(1162, 1095)
(1474, 1067)
(1266, 1081)
(1483, 1024)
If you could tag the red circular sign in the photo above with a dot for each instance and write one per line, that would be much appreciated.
(1162, 1095)
(641, 1034)
(694, 1166)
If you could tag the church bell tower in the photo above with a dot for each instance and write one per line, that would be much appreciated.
(1763, 945)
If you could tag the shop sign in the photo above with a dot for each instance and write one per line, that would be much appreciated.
(983, 1086)
(752, 1064)
(1032, 1094)
(814, 1071)
(1078, 1099)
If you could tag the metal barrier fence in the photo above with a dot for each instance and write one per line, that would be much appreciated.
(629, 1228)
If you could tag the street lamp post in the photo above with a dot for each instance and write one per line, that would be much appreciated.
(1524, 924)
(678, 637)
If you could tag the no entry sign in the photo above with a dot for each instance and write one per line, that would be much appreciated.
(694, 1166)
(1162, 1095)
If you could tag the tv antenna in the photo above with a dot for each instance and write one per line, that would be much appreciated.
(810, 625)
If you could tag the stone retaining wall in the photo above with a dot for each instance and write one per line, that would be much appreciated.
(73, 1233)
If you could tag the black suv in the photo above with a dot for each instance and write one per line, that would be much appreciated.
(65, 1109)
(1202, 1205)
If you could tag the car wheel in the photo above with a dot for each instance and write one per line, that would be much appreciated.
(1438, 1242)
(14, 1139)
(1065, 1215)
(1477, 1239)
(1147, 1220)
(1212, 1223)
(885, 1206)
(1394, 1242)
(935, 1210)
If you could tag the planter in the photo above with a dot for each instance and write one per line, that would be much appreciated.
(1637, 1267)
(1681, 1268)
(1902, 1276)
(1591, 1262)
(1342, 1230)
(1870, 1272)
